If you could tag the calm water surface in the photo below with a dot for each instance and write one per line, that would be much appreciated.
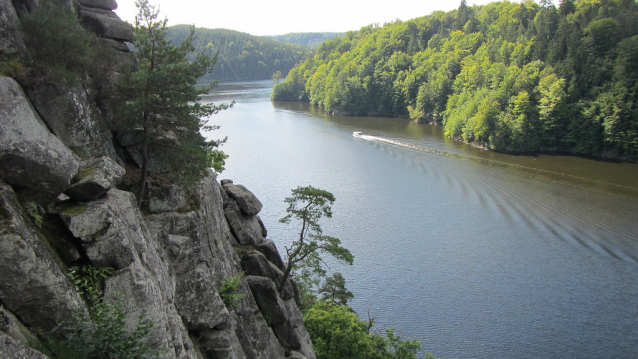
(477, 254)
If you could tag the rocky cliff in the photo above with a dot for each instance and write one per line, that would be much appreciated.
(64, 204)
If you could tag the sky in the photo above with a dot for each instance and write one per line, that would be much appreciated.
(278, 17)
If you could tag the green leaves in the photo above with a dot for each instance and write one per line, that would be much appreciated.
(102, 333)
(158, 100)
(518, 77)
(337, 332)
(308, 205)
(228, 290)
(59, 49)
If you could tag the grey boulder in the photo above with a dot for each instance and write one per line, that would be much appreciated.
(34, 286)
(106, 24)
(30, 155)
(95, 177)
(11, 348)
(267, 298)
(100, 4)
(245, 228)
(246, 199)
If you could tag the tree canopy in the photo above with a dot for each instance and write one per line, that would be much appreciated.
(241, 56)
(513, 77)
(310, 39)
(308, 205)
(160, 102)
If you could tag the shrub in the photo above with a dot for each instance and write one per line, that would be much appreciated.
(228, 290)
(12, 65)
(100, 334)
(59, 49)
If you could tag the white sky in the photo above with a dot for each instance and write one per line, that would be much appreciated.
(278, 17)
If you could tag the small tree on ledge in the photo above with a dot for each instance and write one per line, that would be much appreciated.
(308, 205)
(159, 100)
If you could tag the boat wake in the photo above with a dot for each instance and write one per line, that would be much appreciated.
(544, 214)
(534, 170)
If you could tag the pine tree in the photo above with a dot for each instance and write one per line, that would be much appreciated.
(160, 103)
(308, 204)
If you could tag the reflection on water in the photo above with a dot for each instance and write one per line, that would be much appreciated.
(477, 254)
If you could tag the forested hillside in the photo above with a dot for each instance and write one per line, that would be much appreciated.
(243, 56)
(515, 77)
(310, 39)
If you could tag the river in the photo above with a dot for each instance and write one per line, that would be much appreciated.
(474, 253)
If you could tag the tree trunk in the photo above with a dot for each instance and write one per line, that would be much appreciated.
(285, 278)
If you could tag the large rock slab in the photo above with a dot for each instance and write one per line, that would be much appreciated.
(100, 4)
(255, 264)
(106, 24)
(11, 39)
(95, 177)
(245, 199)
(13, 349)
(30, 155)
(265, 293)
(268, 248)
(170, 198)
(113, 234)
(11, 326)
(74, 117)
(199, 246)
(34, 286)
(245, 228)
(299, 335)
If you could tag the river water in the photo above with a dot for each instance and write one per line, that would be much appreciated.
(474, 253)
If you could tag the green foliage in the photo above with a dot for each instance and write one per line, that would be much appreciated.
(12, 65)
(228, 290)
(35, 212)
(59, 49)
(102, 333)
(276, 77)
(335, 329)
(241, 56)
(308, 205)
(311, 39)
(159, 101)
(337, 332)
(514, 77)
(334, 290)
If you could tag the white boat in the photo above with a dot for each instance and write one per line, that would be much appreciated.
(357, 134)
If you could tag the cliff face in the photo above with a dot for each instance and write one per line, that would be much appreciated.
(63, 204)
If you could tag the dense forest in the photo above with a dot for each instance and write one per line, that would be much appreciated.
(310, 39)
(242, 56)
(513, 77)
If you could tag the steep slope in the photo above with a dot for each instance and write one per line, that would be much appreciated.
(64, 204)
(243, 56)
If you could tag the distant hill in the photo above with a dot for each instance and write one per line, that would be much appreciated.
(243, 56)
(521, 77)
(310, 39)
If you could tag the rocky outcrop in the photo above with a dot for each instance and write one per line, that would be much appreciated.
(99, 4)
(74, 117)
(61, 208)
(244, 198)
(28, 147)
(34, 286)
(11, 348)
(106, 24)
(94, 178)
(10, 41)
(167, 198)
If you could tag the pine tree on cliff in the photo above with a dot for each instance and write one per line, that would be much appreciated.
(308, 205)
(160, 103)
